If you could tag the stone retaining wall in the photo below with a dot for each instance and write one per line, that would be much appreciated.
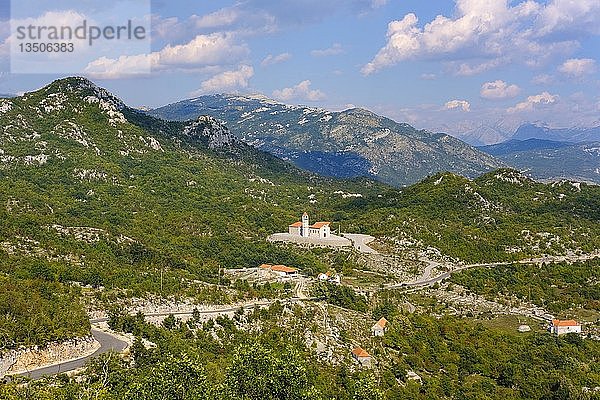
(22, 360)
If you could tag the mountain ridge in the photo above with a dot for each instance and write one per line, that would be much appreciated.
(365, 143)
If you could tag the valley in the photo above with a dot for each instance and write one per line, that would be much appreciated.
(158, 233)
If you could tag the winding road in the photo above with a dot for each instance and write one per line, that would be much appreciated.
(427, 280)
(109, 342)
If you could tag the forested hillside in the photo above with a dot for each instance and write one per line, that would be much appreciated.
(97, 193)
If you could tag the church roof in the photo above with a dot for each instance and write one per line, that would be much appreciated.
(296, 224)
(319, 225)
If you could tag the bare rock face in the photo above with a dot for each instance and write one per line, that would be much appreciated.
(212, 130)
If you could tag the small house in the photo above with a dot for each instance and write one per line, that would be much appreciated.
(379, 328)
(561, 327)
(361, 355)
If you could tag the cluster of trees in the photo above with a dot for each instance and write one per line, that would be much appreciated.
(460, 359)
(209, 360)
(557, 287)
(340, 295)
(35, 312)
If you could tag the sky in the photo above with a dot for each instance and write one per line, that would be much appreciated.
(465, 67)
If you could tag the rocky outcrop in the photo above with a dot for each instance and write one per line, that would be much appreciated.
(23, 360)
(210, 130)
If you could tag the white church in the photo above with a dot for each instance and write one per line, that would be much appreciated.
(302, 228)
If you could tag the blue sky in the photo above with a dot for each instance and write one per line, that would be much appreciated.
(455, 66)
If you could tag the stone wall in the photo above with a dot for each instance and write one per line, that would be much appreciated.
(23, 360)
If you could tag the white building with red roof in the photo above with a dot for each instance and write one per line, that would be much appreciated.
(303, 228)
(361, 355)
(379, 328)
(561, 327)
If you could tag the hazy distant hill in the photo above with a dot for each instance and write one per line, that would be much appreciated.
(350, 143)
(551, 160)
(536, 131)
(513, 146)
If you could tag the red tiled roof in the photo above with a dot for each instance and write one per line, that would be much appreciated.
(265, 266)
(283, 268)
(360, 352)
(319, 225)
(569, 322)
(296, 224)
(381, 323)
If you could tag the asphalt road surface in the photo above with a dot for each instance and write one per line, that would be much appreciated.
(360, 242)
(107, 343)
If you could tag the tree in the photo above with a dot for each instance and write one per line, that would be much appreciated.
(259, 373)
(366, 389)
(175, 378)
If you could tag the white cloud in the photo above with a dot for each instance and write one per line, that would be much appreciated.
(301, 91)
(577, 67)
(225, 81)
(542, 79)
(219, 18)
(271, 59)
(533, 102)
(216, 48)
(122, 67)
(458, 104)
(334, 50)
(470, 69)
(378, 3)
(569, 17)
(499, 90)
(202, 51)
(491, 32)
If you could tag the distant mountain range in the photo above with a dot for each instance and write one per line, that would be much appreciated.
(499, 132)
(345, 144)
(515, 146)
(536, 131)
(551, 160)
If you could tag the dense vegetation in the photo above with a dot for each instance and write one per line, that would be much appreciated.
(342, 296)
(455, 358)
(556, 287)
(35, 312)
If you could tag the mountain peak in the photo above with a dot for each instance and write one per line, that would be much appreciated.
(86, 89)
(210, 129)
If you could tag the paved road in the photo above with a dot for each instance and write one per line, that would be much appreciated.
(426, 280)
(107, 343)
(360, 242)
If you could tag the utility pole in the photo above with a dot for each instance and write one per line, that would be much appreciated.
(161, 279)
